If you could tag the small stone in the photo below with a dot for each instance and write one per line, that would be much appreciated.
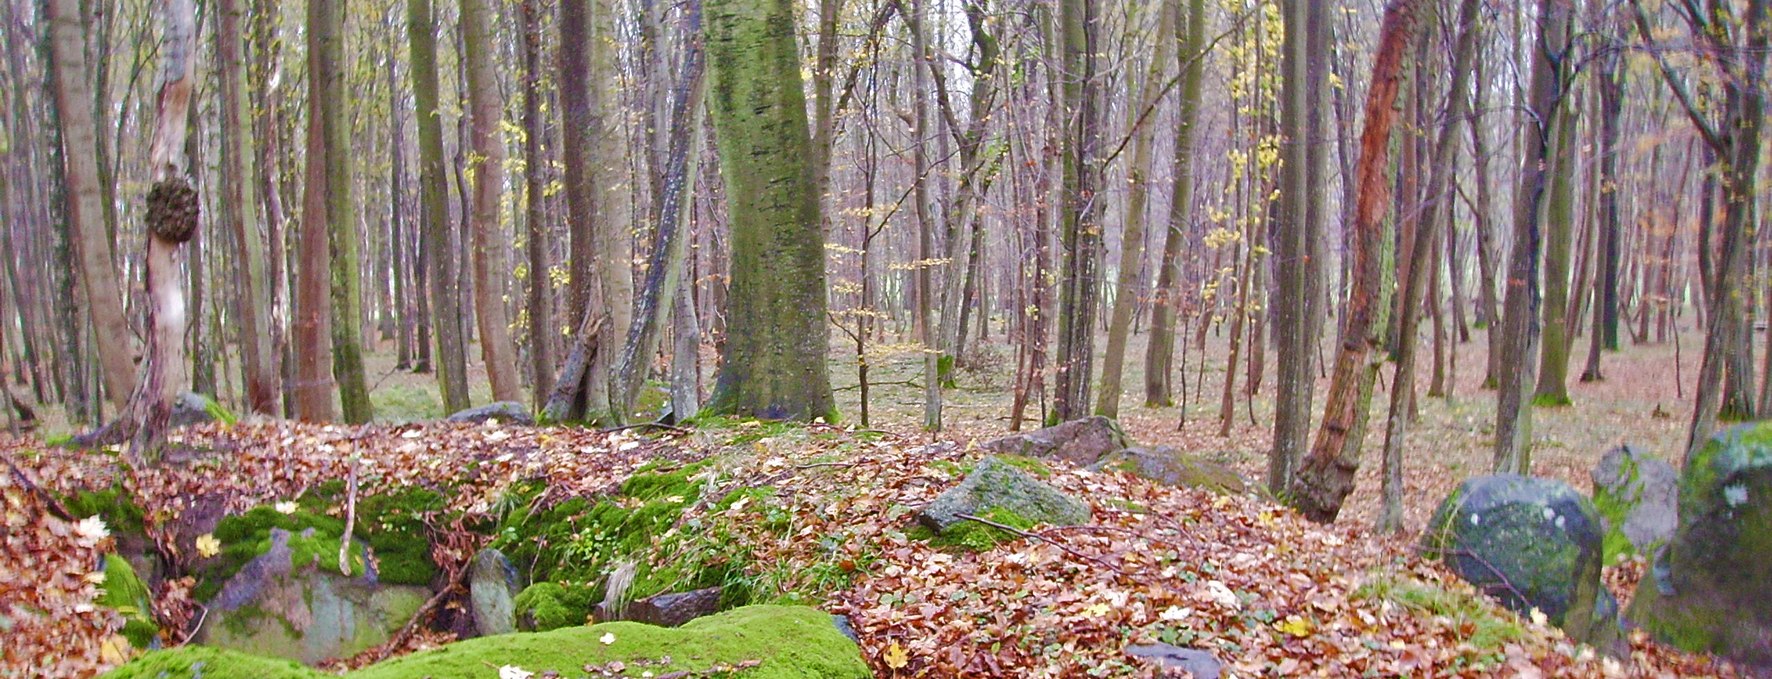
(506, 412)
(672, 610)
(492, 588)
(1201, 664)
(1173, 467)
(998, 485)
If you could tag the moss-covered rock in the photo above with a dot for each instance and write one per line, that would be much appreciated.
(1172, 467)
(546, 606)
(1637, 497)
(1079, 442)
(1708, 589)
(1532, 544)
(124, 592)
(291, 602)
(191, 408)
(783, 642)
(788, 641)
(998, 491)
(492, 585)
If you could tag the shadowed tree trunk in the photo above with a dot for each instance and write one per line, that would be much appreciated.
(326, 38)
(451, 358)
(1326, 475)
(1160, 352)
(85, 208)
(491, 266)
(774, 356)
(540, 307)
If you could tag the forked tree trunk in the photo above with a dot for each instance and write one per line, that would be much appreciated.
(451, 355)
(491, 266)
(1326, 476)
(1160, 351)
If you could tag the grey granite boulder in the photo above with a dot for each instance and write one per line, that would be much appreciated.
(1079, 442)
(997, 488)
(1709, 588)
(1638, 497)
(506, 412)
(1532, 544)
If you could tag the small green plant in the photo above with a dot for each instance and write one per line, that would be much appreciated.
(1490, 628)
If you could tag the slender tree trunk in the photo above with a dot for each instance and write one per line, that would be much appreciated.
(85, 209)
(490, 264)
(1520, 324)
(774, 357)
(1298, 228)
(1610, 82)
(1559, 218)
(1080, 284)
(240, 210)
(326, 40)
(1126, 284)
(452, 368)
(1326, 476)
(540, 307)
(612, 214)
(925, 279)
(1160, 352)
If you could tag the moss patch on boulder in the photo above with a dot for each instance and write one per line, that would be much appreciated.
(546, 606)
(314, 539)
(192, 662)
(124, 592)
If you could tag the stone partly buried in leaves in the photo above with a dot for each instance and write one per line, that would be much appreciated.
(1710, 588)
(1172, 467)
(1532, 544)
(506, 412)
(997, 489)
(1079, 442)
(1638, 497)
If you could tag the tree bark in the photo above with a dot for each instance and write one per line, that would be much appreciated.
(774, 357)
(1160, 351)
(451, 356)
(85, 209)
(326, 40)
(1079, 281)
(240, 209)
(1326, 476)
(491, 265)
(539, 307)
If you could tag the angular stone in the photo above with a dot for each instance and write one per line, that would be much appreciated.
(492, 588)
(1530, 543)
(506, 412)
(1637, 496)
(1709, 587)
(191, 408)
(1079, 442)
(1199, 664)
(276, 607)
(1172, 467)
(672, 610)
(997, 486)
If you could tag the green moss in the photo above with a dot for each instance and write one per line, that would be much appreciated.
(219, 412)
(1613, 511)
(1489, 628)
(1032, 466)
(203, 662)
(789, 642)
(113, 505)
(546, 606)
(1551, 401)
(973, 536)
(313, 539)
(124, 592)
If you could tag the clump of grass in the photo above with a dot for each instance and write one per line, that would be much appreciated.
(1488, 627)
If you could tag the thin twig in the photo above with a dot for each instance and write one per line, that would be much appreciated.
(1067, 549)
(344, 543)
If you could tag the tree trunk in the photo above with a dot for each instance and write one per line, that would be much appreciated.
(540, 308)
(927, 331)
(1079, 282)
(1326, 476)
(1160, 351)
(1520, 329)
(491, 266)
(774, 356)
(1126, 284)
(1559, 219)
(664, 272)
(240, 210)
(85, 209)
(1297, 229)
(326, 40)
(1604, 336)
(451, 357)
(612, 215)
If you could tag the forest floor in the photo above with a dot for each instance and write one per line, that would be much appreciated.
(1272, 594)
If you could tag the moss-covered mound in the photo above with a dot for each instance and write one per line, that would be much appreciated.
(546, 606)
(313, 540)
(124, 592)
(770, 642)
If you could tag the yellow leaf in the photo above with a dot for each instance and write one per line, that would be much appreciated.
(207, 545)
(1295, 626)
(896, 657)
(115, 650)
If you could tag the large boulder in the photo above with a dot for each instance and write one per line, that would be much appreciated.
(998, 491)
(1532, 544)
(1079, 442)
(1709, 587)
(767, 642)
(492, 590)
(1172, 467)
(291, 602)
(506, 412)
(1637, 496)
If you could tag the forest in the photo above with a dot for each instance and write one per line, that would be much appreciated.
(635, 300)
